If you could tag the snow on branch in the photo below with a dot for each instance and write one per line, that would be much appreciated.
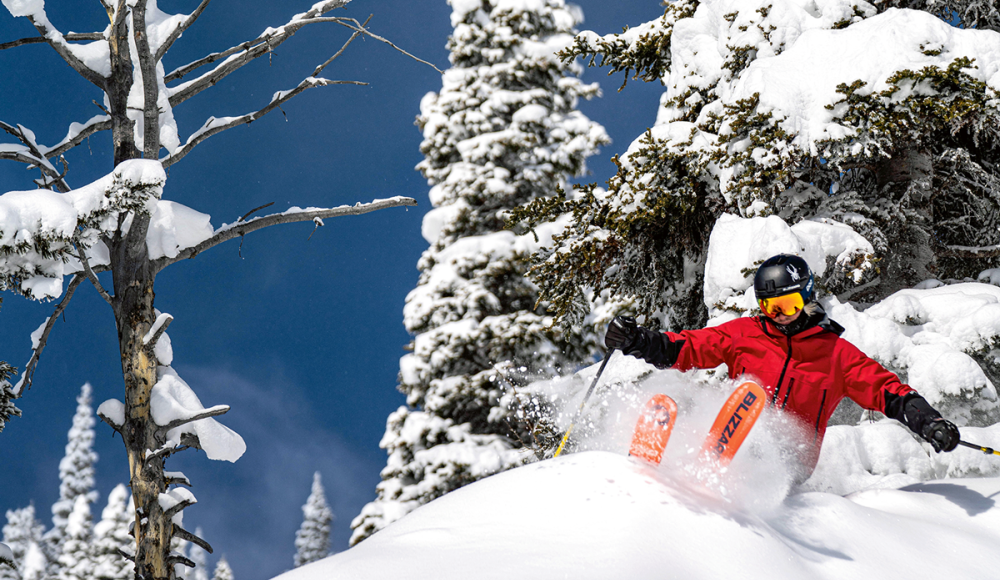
(71, 37)
(185, 422)
(112, 412)
(77, 133)
(215, 126)
(35, 13)
(241, 228)
(32, 154)
(240, 55)
(40, 231)
(969, 252)
(178, 30)
(175, 500)
(35, 155)
(158, 328)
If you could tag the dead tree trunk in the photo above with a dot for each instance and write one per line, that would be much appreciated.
(133, 304)
(133, 59)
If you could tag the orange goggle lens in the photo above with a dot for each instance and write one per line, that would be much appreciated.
(788, 304)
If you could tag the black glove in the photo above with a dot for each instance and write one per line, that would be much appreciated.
(622, 333)
(941, 434)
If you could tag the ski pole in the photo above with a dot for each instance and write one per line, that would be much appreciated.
(583, 403)
(986, 450)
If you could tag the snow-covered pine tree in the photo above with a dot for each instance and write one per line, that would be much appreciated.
(111, 535)
(76, 558)
(981, 14)
(222, 570)
(23, 533)
(502, 131)
(76, 470)
(312, 540)
(814, 114)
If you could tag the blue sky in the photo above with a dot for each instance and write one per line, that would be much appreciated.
(302, 337)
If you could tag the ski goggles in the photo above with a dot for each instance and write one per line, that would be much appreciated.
(787, 304)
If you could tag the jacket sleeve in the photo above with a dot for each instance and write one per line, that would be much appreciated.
(873, 387)
(703, 349)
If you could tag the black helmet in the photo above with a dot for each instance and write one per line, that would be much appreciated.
(783, 274)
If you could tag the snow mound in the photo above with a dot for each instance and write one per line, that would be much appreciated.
(602, 515)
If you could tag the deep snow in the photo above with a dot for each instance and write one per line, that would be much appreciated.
(878, 504)
(602, 515)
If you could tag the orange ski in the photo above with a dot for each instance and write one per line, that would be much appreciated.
(733, 424)
(653, 429)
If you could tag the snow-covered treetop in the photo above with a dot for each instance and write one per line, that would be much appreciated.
(312, 540)
(791, 63)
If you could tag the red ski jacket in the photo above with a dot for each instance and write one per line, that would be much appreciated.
(806, 374)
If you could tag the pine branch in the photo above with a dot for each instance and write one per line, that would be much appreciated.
(207, 130)
(242, 228)
(969, 252)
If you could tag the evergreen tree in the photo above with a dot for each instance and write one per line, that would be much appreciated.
(908, 156)
(222, 570)
(502, 131)
(111, 535)
(312, 541)
(23, 534)
(76, 469)
(76, 559)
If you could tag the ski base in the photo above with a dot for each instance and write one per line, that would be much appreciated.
(734, 422)
(653, 429)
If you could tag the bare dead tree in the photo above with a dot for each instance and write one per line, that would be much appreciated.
(133, 270)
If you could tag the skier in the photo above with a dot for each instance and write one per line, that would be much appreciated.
(796, 352)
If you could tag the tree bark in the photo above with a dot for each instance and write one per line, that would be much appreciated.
(118, 86)
(133, 305)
